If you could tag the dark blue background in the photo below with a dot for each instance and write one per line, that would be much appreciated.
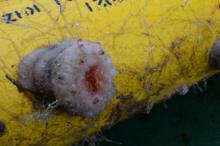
(190, 120)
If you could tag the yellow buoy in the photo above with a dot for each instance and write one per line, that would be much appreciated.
(158, 48)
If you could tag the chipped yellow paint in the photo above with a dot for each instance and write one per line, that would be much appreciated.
(157, 46)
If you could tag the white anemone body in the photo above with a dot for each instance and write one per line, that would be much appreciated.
(78, 73)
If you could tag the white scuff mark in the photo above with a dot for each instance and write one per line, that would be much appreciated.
(165, 105)
(149, 108)
(197, 87)
(183, 89)
(186, 2)
(205, 82)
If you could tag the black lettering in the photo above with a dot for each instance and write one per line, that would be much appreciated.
(89, 7)
(31, 10)
(57, 2)
(36, 8)
(8, 18)
(18, 14)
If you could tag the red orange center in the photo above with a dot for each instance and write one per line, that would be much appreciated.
(92, 79)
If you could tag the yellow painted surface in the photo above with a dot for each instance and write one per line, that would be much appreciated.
(157, 46)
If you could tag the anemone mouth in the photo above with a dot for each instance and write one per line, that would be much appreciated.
(93, 78)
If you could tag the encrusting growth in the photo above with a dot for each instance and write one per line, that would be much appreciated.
(215, 55)
(79, 74)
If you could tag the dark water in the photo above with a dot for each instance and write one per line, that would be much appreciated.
(190, 120)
